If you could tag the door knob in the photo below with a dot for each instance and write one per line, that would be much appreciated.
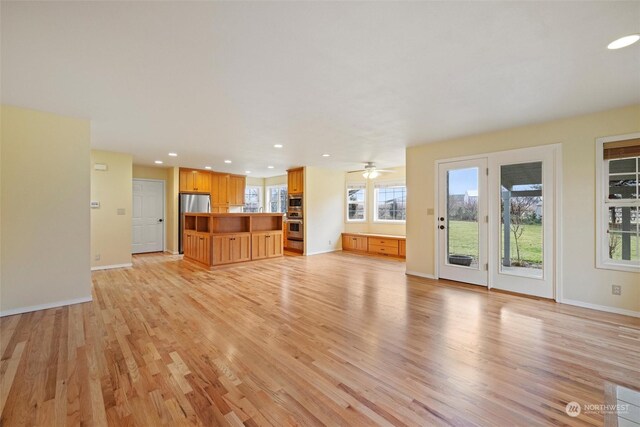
(160, 220)
(442, 227)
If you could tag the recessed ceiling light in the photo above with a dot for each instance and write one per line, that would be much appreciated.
(269, 167)
(277, 146)
(247, 172)
(624, 41)
(173, 154)
(158, 162)
(326, 155)
(227, 161)
(207, 167)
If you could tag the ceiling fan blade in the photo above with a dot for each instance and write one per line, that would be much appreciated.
(384, 171)
(361, 170)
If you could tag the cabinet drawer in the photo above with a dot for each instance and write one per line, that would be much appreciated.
(391, 243)
(388, 250)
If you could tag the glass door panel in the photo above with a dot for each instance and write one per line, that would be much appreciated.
(521, 211)
(463, 231)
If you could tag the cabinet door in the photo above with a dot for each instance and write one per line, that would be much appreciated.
(402, 248)
(221, 250)
(274, 244)
(187, 180)
(220, 209)
(236, 190)
(258, 245)
(202, 182)
(186, 245)
(347, 242)
(240, 247)
(362, 244)
(295, 181)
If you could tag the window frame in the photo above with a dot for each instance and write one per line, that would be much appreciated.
(603, 204)
(267, 198)
(356, 186)
(260, 197)
(377, 187)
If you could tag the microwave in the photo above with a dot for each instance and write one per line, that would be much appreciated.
(295, 202)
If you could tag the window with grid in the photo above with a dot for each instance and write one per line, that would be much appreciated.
(356, 202)
(619, 230)
(390, 202)
(276, 198)
(252, 198)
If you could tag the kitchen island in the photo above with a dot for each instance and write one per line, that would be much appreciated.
(212, 239)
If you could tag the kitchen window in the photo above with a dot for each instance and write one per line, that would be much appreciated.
(253, 198)
(357, 202)
(618, 195)
(276, 198)
(390, 202)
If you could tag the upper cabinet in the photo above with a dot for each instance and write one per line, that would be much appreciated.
(295, 181)
(194, 181)
(236, 187)
(219, 188)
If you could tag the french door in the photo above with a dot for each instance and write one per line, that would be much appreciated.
(496, 221)
(461, 223)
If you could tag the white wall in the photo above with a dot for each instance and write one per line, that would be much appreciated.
(582, 282)
(324, 204)
(44, 255)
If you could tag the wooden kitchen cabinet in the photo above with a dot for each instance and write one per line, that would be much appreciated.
(194, 181)
(231, 248)
(219, 188)
(352, 242)
(197, 246)
(295, 181)
(402, 248)
(266, 245)
(236, 187)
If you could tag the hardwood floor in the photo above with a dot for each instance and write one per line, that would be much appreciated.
(334, 339)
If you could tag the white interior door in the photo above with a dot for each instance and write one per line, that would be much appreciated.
(462, 221)
(522, 194)
(148, 216)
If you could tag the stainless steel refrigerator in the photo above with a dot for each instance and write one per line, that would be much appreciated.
(192, 203)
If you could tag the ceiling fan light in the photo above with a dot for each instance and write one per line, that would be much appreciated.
(374, 174)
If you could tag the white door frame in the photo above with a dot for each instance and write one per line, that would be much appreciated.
(557, 231)
(164, 207)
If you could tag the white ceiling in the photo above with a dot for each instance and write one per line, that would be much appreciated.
(358, 80)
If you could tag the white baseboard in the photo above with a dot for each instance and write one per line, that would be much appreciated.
(415, 273)
(109, 267)
(21, 310)
(321, 252)
(606, 308)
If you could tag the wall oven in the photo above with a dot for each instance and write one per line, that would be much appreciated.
(295, 229)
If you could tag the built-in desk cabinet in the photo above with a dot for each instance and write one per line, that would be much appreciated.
(378, 244)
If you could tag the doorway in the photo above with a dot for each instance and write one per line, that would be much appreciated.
(496, 223)
(148, 216)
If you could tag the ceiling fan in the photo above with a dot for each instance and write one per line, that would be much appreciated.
(370, 171)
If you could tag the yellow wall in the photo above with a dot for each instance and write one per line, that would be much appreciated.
(582, 282)
(324, 204)
(44, 259)
(111, 231)
(369, 226)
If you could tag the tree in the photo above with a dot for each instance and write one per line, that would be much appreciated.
(521, 210)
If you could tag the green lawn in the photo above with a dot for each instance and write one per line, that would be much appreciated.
(463, 240)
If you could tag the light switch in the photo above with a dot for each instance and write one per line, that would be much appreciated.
(121, 211)
(100, 166)
(95, 204)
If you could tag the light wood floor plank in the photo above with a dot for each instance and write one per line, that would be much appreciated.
(334, 339)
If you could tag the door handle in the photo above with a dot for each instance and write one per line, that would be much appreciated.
(442, 227)
(160, 220)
